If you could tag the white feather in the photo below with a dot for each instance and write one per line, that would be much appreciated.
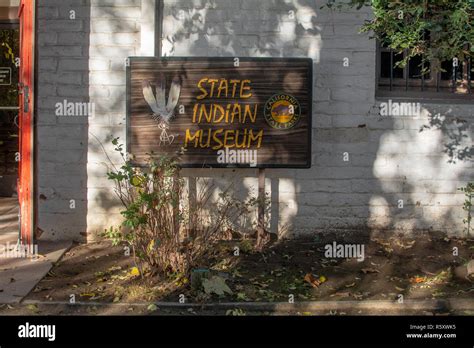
(150, 97)
(173, 97)
(160, 93)
(157, 104)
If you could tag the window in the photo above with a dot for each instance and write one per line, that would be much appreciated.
(453, 80)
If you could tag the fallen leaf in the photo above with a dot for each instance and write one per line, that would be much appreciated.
(34, 308)
(152, 307)
(235, 312)
(236, 274)
(135, 272)
(369, 270)
(408, 245)
(216, 285)
(85, 294)
(313, 281)
(350, 285)
(417, 280)
(242, 296)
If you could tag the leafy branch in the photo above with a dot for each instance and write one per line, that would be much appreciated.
(435, 30)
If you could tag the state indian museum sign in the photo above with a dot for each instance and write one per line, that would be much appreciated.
(221, 112)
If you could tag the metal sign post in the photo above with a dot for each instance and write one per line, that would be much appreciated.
(222, 112)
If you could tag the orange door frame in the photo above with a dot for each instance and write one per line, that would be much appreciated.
(26, 15)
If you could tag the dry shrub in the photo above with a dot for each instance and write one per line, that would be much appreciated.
(166, 235)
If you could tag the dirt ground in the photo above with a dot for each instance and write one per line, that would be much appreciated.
(418, 268)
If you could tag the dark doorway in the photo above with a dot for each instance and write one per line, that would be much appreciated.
(9, 131)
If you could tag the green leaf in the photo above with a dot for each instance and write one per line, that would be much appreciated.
(152, 307)
(242, 296)
(34, 308)
(137, 181)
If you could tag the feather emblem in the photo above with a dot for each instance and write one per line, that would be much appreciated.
(156, 100)
(162, 112)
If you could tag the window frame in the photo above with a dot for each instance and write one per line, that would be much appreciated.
(422, 88)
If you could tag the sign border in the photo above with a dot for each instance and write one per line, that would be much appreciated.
(308, 163)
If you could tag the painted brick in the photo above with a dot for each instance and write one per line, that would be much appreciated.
(390, 159)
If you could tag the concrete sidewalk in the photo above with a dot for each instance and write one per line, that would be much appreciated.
(18, 276)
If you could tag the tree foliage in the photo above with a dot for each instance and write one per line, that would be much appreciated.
(436, 30)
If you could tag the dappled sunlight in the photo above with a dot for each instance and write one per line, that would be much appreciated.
(418, 161)
(206, 31)
(363, 208)
(379, 211)
(106, 89)
(419, 179)
(288, 207)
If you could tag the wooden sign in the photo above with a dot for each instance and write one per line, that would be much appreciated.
(221, 112)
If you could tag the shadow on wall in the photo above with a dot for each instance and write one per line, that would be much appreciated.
(114, 37)
(369, 172)
(62, 133)
(225, 29)
(429, 157)
(215, 28)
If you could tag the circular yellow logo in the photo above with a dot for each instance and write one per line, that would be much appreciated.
(282, 111)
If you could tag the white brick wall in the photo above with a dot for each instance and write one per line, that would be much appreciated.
(81, 60)
(390, 159)
(119, 22)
